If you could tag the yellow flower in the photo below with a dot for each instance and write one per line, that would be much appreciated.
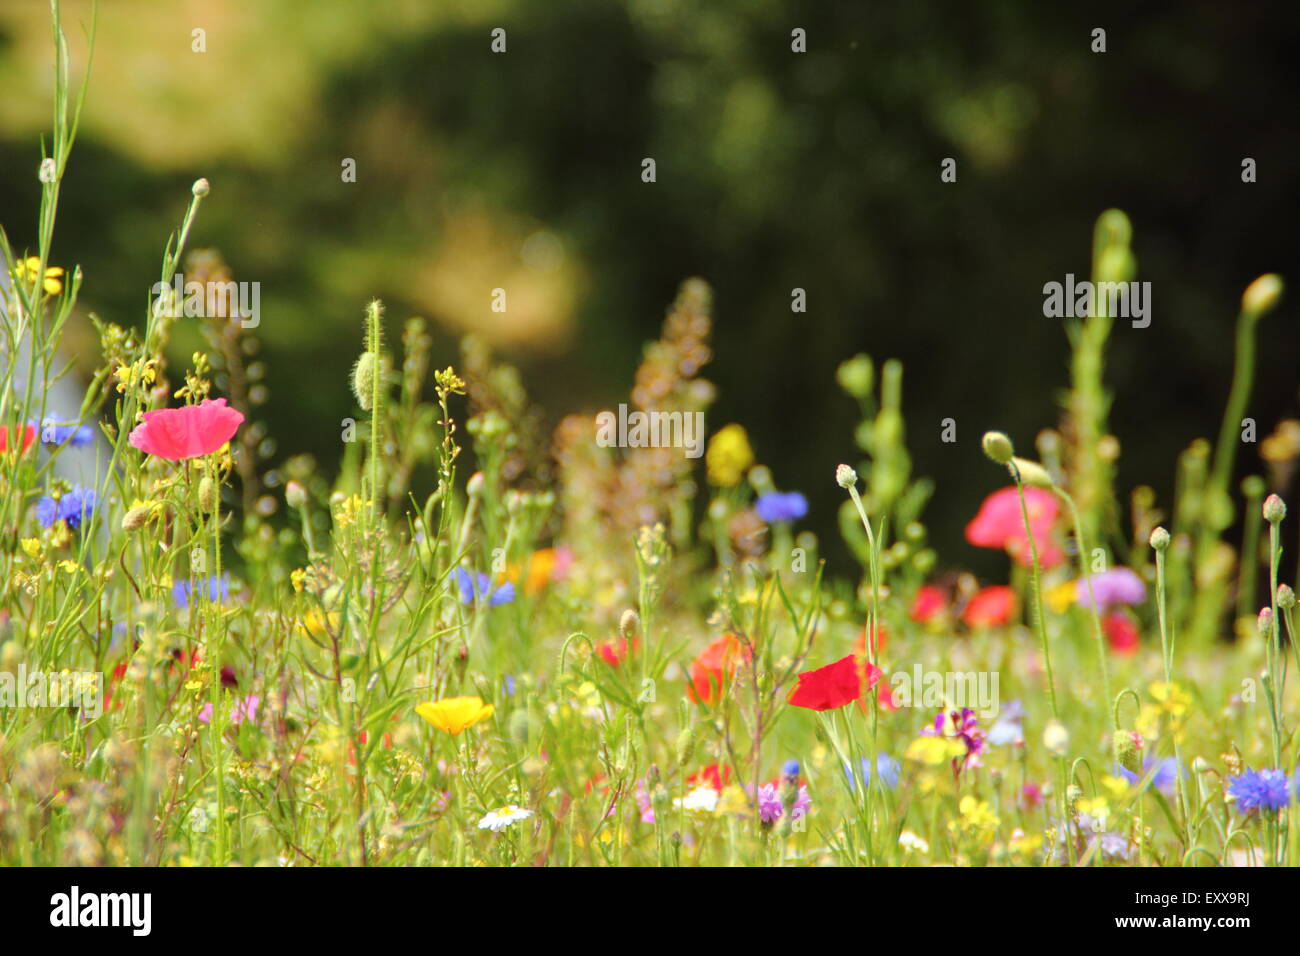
(976, 817)
(1095, 807)
(934, 750)
(1023, 844)
(454, 714)
(1062, 596)
(25, 271)
(32, 546)
(320, 625)
(1116, 785)
(1172, 699)
(297, 576)
(728, 456)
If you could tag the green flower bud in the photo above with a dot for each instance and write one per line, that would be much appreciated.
(1262, 294)
(207, 494)
(1033, 474)
(1274, 509)
(998, 447)
(1126, 750)
(363, 379)
(1160, 539)
(845, 476)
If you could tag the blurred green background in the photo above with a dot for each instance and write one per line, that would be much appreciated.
(775, 170)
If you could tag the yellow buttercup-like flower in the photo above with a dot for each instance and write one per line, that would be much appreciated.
(728, 456)
(1172, 699)
(25, 271)
(934, 750)
(453, 715)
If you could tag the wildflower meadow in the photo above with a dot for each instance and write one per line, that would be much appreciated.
(612, 639)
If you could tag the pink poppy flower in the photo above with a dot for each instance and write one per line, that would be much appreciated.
(190, 431)
(999, 524)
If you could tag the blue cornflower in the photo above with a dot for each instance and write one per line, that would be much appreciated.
(56, 433)
(790, 770)
(73, 506)
(1165, 777)
(781, 506)
(888, 768)
(1261, 790)
(475, 586)
(218, 589)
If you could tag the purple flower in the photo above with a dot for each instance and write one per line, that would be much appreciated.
(73, 506)
(218, 590)
(1163, 780)
(771, 808)
(1117, 586)
(1261, 790)
(472, 587)
(781, 506)
(966, 726)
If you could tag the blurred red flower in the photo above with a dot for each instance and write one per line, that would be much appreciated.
(713, 669)
(929, 603)
(999, 524)
(835, 685)
(990, 607)
(1122, 633)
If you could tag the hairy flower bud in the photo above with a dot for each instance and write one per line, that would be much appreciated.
(363, 380)
(845, 476)
(208, 494)
(1160, 539)
(998, 447)
(1274, 509)
(1033, 474)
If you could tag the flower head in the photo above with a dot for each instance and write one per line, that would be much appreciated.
(1121, 632)
(28, 436)
(190, 431)
(57, 433)
(1260, 790)
(781, 506)
(497, 820)
(712, 671)
(475, 587)
(1109, 588)
(453, 715)
(728, 456)
(990, 607)
(1000, 524)
(217, 589)
(833, 686)
(72, 507)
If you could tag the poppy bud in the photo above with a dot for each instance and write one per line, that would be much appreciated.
(1126, 750)
(136, 517)
(201, 188)
(998, 447)
(208, 494)
(363, 380)
(1033, 474)
(629, 625)
(1160, 539)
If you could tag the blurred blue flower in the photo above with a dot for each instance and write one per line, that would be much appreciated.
(888, 768)
(1165, 776)
(73, 506)
(475, 586)
(781, 506)
(218, 589)
(56, 433)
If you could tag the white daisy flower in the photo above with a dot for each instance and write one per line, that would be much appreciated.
(910, 841)
(498, 820)
(703, 799)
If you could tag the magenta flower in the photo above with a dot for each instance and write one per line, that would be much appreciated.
(1117, 586)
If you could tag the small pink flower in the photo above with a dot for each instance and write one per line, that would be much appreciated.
(190, 431)
(245, 709)
(1000, 524)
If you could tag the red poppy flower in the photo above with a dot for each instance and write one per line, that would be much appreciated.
(999, 524)
(190, 431)
(990, 607)
(1122, 633)
(613, 651)
(29, 436)
(928, 604)
(712, 670)
(834, 685)
(711, 776)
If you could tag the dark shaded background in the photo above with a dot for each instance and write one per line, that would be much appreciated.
(775, 170)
